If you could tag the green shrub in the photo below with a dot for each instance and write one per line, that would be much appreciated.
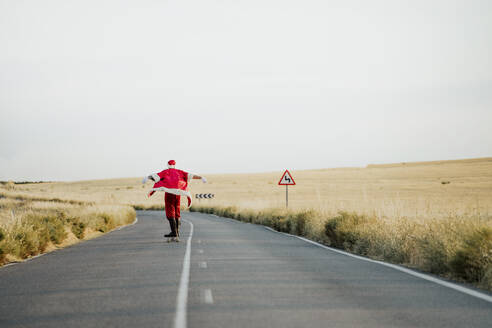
(26, 244)
(278, 222)
(105, 223)
(245, 216)
(42, 233)
(395, 252)
(331, 231)
(229, 212)
(221, 211)
(342, 230)
(434, 255)
(366, 247)
(301, 222)
(473, 260)
(77, 227)
(55, 226)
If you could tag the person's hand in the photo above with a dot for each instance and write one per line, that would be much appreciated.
(204, 180)
(144, 180)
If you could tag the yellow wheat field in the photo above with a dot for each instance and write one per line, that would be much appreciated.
(413, 190)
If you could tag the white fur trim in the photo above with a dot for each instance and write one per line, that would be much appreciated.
(178, 192)
(190, 176)
(156, 177)
(171, 166)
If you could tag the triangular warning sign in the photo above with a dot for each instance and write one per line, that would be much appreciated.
(286, 179)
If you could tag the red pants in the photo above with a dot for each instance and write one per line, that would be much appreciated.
(172, 206)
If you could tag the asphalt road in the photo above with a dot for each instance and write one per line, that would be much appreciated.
(222, 274)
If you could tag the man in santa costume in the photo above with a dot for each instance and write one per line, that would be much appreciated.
(174, 183)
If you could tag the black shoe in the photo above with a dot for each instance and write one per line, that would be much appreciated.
(172, 225)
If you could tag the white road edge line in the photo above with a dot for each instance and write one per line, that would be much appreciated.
(182, 299)
(35, 257)
(458, 288)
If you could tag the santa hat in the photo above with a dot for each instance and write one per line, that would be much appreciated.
(171, 164)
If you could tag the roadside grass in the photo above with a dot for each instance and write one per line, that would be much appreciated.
(154, 207)
(458, 248)
(31, 227)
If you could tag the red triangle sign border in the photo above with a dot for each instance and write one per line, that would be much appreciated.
(290, 176)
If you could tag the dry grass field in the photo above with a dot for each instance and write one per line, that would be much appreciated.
(413, 190)
(433, 216)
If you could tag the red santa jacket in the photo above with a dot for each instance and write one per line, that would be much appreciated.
(172, 181)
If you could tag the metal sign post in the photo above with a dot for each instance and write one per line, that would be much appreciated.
(287, 180)
(286, 196)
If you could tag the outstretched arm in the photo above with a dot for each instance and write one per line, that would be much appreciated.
(199, 177)
(153, 177)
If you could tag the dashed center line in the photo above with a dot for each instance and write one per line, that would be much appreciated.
(200, 251)
(207, 297)
(203, 265)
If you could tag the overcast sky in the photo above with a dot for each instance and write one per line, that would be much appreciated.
(113, 88)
